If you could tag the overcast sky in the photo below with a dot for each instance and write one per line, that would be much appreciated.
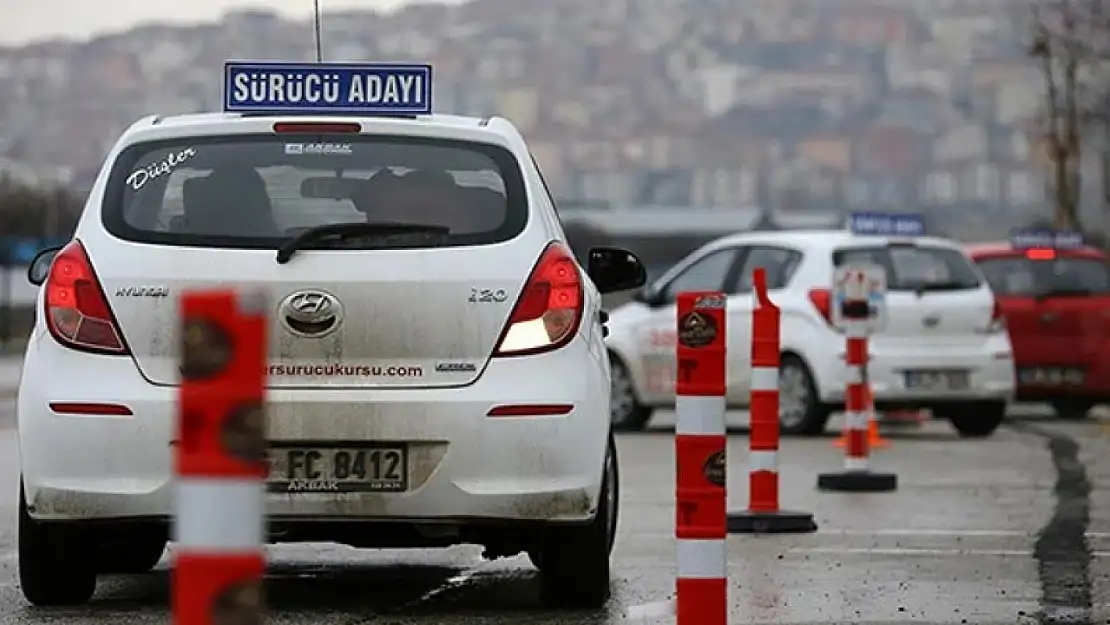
(23, 21)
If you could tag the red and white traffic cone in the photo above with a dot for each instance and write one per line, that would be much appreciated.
(700, 461)
(219, 522)
(763, 515)
(857, 475)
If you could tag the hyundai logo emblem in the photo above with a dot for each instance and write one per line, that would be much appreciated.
(311, 313)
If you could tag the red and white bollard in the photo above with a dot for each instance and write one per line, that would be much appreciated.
(700, 461)
(219, 523)
(857, 475)
(763, 515)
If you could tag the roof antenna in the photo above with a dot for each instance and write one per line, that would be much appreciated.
(316, 25)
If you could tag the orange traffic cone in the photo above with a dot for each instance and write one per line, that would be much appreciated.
(875, 439)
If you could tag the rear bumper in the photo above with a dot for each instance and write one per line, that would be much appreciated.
(990, 366)
(462, 463)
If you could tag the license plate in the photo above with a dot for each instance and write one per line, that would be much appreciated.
(1051, 376)
(937, 380)
(379, 469)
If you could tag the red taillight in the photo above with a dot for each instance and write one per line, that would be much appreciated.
(1040, 254)
(822, 301)
(549, 310)
(317, 128)
(77, 312)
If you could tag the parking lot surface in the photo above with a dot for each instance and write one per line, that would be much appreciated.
(1012, 529)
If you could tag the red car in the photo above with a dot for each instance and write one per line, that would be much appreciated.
(1056, 303)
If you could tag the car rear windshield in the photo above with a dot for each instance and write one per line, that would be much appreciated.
(915, 267)
(257, 191)
(1064, 275)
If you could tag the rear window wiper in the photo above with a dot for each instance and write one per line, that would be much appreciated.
(353, 229)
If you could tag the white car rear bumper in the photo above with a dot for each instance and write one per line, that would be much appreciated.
(990, 367)
(463, 464)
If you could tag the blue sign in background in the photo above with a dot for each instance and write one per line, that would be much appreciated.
(327, 88)
(1046, 237)
(887, 224)
(16, 251)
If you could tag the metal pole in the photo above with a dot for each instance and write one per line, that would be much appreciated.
(316, 24)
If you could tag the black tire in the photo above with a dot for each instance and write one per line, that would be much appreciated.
(54, 564)
(626, 412)
(1072, 409)
(574, 561)
(137, 556)
(811, 416)
(977, 420)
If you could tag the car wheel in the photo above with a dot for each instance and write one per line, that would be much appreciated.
(800, 410)
(574, 561)
(137, 556)
(1072, 410)
(977, 420)
(54, 567)
(625, 410)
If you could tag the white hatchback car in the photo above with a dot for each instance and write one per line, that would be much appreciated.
(426, 305)
(945, 347)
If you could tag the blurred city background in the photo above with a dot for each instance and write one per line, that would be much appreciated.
(659, 124)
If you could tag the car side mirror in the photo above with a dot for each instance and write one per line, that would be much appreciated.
(39, 268)
(613, 269)
(650, 296)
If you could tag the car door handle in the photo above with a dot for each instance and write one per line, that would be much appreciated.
(1050, 317)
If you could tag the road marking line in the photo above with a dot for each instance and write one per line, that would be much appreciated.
(657, 609)
(927, 532)
(953, 533)
(908, 551)
(946, 533)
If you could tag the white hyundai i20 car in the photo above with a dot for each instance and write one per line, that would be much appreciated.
(435, 348)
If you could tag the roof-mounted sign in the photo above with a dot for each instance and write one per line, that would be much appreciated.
(1026, 238)
(327, 88)
(887, 224)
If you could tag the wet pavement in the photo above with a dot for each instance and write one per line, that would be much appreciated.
(974, 534)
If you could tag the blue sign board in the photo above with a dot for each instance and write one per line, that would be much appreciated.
(19, 251)
(327, 88)
(1047, 238)
(887, 224)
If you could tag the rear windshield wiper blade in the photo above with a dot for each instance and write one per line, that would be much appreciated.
(351, 229)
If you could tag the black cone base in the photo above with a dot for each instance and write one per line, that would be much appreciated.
(781, 522)
(858, 482)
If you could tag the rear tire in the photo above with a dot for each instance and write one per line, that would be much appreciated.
(626, 413)
(55, 563)
(977, 420)
(800, 409)
(1072, 409)
(574, 561)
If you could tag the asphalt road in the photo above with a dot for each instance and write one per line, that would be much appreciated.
(1014, 529)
